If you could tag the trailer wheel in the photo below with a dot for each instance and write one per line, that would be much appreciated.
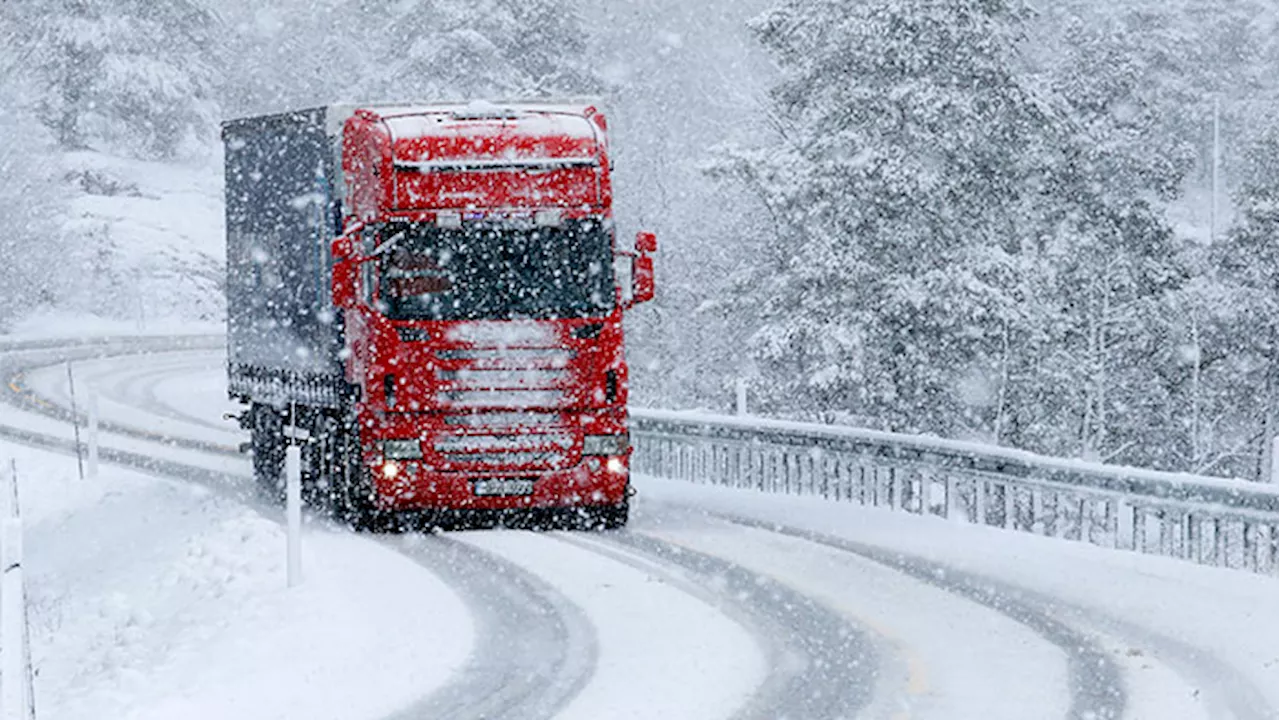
(322, 463)
(267, 441)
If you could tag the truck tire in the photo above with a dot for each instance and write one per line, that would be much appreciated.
(267, 441)
(612, 517)
(351, 488)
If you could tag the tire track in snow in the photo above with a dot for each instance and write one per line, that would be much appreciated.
(1097, 686)
(822, 666)
(536, 649)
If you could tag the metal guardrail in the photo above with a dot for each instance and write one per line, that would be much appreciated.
(1212, 521)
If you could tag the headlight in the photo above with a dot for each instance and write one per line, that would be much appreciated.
(401, 449)
(605, 445)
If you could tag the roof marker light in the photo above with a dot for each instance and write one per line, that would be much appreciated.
(448, 219)
(547, 218)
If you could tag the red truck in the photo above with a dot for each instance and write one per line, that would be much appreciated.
(428, 300)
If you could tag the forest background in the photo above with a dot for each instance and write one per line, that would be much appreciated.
(981, 219)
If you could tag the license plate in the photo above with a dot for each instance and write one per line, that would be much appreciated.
(504, 486)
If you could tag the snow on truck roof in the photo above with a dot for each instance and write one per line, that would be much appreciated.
(487, 136)
(475, 118)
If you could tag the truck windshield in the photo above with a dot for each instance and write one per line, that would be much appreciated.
(491, 273)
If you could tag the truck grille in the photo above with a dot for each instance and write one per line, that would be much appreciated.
(546, 357)
(503, 398)
(523, 420)
(526, 450)
(486, 379)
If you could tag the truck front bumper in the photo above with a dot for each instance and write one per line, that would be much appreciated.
(595, 481)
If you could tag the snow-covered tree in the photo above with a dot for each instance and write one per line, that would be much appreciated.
(907, 149)
(136, 75)
(1241, 367)
(447, 49)
(32, 267)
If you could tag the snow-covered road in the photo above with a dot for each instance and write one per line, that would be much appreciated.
(714, 604)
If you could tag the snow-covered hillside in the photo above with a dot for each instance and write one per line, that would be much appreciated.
(151, 236)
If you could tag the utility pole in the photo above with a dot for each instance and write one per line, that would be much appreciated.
(1213, 200)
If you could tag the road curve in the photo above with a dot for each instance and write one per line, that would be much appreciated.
(559, 654)
(1097, 684)
(534, 650)
(821, 665)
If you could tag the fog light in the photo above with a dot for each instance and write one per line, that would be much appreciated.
(401, 449)
(604, 444)
(390, 470)
(615, 465)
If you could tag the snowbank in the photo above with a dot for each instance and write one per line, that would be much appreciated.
(158, 599)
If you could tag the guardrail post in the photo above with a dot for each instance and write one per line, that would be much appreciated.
(1006, 496)
(786, 472)
(1191, 536)
(1218, 559)
(1275, 459)
(1273, 547)
(1247, 558)
(1188, 535)
(821, 464)
(1035, 524)
(844, 477)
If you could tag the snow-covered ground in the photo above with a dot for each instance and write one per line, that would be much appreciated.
(195, 605)
(157, 598)
(1188, 634)
(154, 231)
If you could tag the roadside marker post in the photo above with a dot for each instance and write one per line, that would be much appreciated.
(12, 680)
(17, 688)
(293, 511)
(75, 420)
(93, 433)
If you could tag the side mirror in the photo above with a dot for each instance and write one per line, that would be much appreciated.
(641, 278)
(646, 242)
(341, 249)
(346, 273)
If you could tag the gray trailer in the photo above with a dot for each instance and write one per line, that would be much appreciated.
(283, 205)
